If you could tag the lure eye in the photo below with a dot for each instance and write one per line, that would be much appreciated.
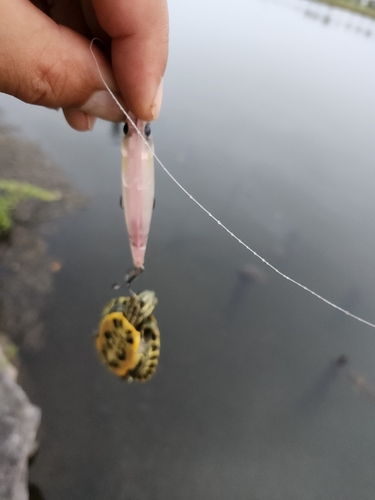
(126, 129)
(147, 130)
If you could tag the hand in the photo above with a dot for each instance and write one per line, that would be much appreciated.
(45, 57)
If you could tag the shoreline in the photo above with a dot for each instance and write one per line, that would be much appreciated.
(357, 8)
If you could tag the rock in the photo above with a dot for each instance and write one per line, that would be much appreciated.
(27, 211)
(26, 274)
(19, 422)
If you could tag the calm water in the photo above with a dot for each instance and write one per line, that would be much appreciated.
(268, 119)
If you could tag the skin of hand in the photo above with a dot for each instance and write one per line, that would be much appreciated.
(45, 57)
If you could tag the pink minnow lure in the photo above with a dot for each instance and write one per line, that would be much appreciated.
(138, 186)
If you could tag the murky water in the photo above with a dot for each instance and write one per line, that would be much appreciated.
(268, 120)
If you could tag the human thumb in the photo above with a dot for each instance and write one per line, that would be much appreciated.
(50, 65)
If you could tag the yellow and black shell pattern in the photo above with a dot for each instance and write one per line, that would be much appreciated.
(128, 340)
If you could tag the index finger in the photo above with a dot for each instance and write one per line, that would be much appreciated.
(139, 32)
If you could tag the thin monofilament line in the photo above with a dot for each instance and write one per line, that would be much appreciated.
(326, 301)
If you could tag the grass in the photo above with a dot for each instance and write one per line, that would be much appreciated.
(12, 193)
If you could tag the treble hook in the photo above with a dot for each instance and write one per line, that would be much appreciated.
(128, 278)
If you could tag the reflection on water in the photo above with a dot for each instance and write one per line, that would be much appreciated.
(247, 277)
(316, 395)
(268, 120)
(357, 381)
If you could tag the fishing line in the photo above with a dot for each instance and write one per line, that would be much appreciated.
(268, 264)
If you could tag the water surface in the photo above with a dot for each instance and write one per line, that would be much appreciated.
(268, 120)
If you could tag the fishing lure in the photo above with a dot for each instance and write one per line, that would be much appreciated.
(128, 340)
(138, 186)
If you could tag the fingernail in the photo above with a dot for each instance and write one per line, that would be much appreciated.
(102, 105)
(90, 121)
(156, 104)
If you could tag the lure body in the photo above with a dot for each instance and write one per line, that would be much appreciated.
(138, 186)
